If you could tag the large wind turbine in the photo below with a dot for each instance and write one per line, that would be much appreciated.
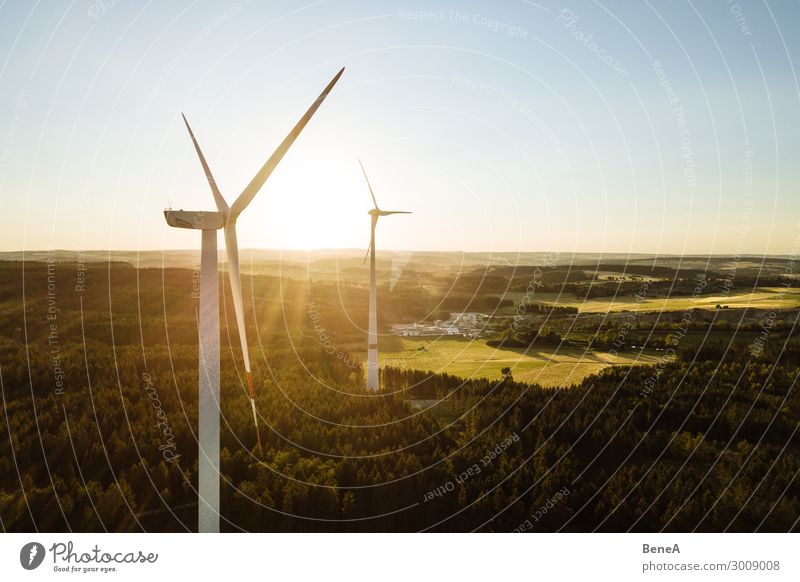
(373, 382)
(208, 324)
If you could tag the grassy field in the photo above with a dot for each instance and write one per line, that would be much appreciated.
(474, 359)
(762, 297)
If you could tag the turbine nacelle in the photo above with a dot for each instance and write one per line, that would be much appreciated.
(378, 212)
(196, 219)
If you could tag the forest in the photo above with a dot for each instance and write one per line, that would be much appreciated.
(98, 371)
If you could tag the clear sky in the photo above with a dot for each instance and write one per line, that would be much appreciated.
(667, 127)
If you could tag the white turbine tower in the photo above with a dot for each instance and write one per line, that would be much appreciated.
(373, 383)
(208, 324)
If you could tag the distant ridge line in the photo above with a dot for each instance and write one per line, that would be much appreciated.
(344, 257)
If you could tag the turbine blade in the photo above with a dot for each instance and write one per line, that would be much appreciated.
(232, 252)
(222, 206)
(369, 248)
(371, 193)
(373, 224)
(255, 420)
(258, 180)
(388, 212)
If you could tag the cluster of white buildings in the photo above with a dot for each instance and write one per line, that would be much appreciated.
(466, 324)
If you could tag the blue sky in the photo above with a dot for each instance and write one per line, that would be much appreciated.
(666, 127)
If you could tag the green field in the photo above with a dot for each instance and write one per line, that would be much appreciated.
(474, 359)
(762, 297)
(567, 365)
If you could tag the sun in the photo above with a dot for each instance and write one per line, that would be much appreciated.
(312, 202)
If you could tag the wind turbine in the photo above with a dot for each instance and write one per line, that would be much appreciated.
(373, 382)
(209, 223)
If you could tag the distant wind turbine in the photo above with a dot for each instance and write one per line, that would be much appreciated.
(373, 382)
(209, 222)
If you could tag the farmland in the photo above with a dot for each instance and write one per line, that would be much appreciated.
(761, 298)
(547, 366)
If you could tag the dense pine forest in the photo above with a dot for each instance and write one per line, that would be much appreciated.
(98, 369)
